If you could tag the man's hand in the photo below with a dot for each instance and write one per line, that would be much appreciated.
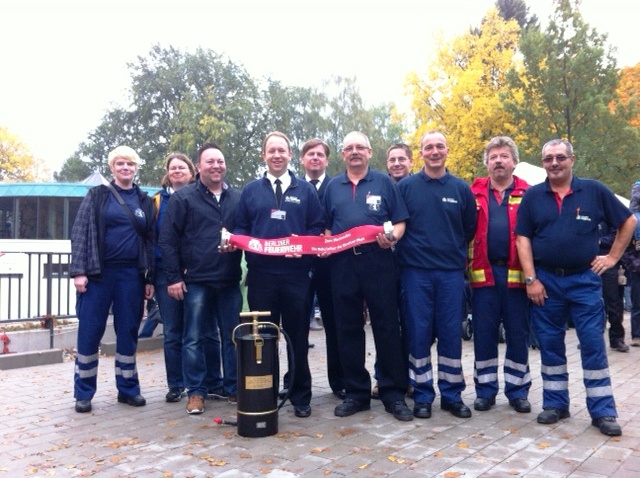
(536, 292)
(602, 263)
(384, 242)
(148, 291)
(81, 283)
(177, 290)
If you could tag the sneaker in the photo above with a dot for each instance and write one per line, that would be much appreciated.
(216, 394)
(608, 426)
(174, 394)
(314, 325)
(195, 405)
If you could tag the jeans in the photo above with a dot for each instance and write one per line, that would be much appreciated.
(210, 315)
(171, 311)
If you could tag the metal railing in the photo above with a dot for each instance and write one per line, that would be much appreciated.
(36, 287)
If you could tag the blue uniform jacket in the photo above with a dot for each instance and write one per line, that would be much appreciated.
(304, 217)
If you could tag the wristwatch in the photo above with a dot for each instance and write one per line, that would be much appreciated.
(530, 280)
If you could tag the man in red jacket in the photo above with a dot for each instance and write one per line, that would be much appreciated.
(497, 280)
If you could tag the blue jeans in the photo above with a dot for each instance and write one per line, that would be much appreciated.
(210, 315)
(171, 311)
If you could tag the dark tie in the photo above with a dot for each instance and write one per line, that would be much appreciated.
(278, 193)
(315, 183)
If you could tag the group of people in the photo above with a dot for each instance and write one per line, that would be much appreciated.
(529, 253)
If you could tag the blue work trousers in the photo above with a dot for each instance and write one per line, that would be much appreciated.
(434, 308)
(490, 306)
(578, 296)
(122, 288)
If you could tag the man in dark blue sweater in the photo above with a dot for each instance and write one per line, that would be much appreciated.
(432, 258)
(279, 205)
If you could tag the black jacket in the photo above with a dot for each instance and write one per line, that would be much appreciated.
(190, 236)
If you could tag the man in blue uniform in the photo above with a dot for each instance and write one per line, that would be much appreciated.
(557, 241)
(280, 205)
(360, 197)
(314, 157)
(432, 258)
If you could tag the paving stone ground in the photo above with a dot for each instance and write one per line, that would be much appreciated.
(41, 435)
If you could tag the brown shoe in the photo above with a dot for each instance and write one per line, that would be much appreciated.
(195, 405)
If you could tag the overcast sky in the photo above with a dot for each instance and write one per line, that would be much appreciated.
(64, 62)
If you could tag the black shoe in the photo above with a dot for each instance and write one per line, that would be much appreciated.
(457, 409)
(520, 405)
(283, 393)
(134, 401)
(83, 406)
(400, 411)
(552, 415)
(341, 394)
(483, 404)
(422, 410)
(608, 426)
(174, 394)
(620, 346)
(216, 394)
(302, 411)
(349, 407)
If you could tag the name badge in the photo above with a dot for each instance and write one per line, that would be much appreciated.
(373, 201)
(278, 214)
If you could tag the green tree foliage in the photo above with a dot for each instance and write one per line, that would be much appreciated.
(563, 90)
(462, 94)
(517, 10)
(181, 100)
(17, 163)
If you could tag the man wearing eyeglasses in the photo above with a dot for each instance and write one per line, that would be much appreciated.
(362, 196)
(432, 257)
(557, 241)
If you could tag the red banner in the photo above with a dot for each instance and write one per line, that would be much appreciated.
(284, 246)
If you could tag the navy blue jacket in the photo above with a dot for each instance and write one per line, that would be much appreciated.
(190, 236)
(304, 217)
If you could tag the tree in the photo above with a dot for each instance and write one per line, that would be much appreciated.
(629, 94)
(17, 163)
(518, 10)
(462, 94)
(569, 78)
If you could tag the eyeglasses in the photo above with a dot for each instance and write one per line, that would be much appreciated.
(558, 157)
(357, 147)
